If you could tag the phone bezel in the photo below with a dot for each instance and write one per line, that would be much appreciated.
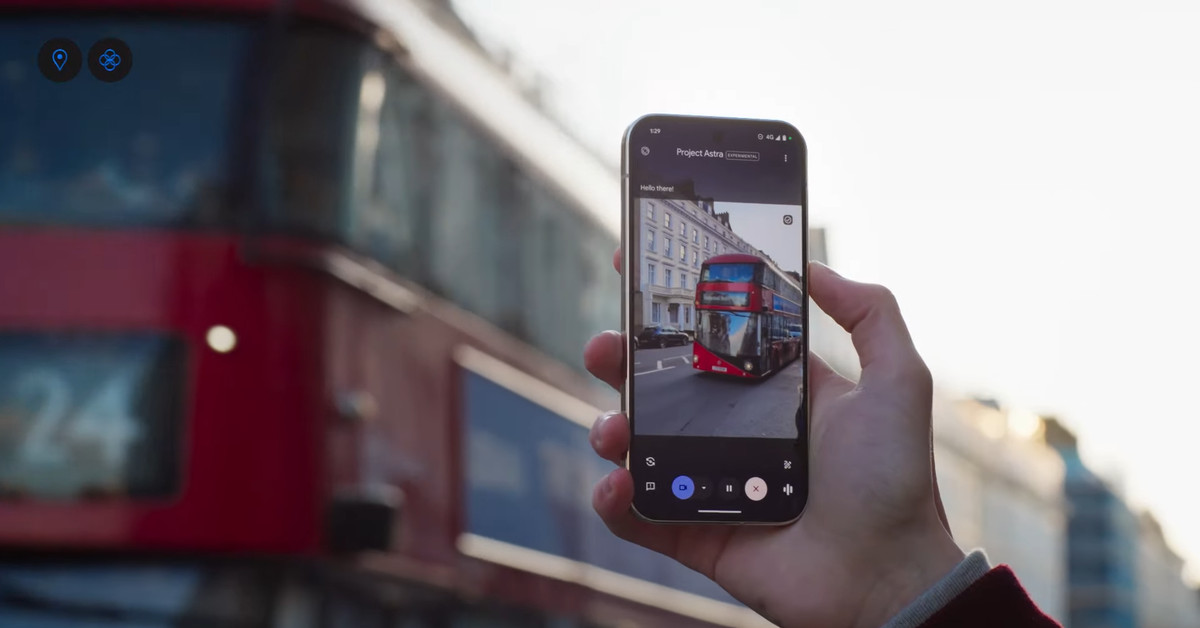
(627, 223)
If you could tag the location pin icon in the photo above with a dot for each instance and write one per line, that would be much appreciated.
(60, 58)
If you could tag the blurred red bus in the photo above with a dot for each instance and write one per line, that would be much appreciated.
(290, 326)
(749, 316)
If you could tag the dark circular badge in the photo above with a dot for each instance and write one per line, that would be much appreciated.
(59, 60)
(110, 60)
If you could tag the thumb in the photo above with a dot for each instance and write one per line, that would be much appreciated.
(872, 316)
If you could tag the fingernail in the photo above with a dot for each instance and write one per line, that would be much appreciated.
(594, 435)
(606, 486)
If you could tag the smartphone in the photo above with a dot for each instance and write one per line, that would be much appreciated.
(715, 310)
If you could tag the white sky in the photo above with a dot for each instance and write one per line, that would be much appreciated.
(1022, 174)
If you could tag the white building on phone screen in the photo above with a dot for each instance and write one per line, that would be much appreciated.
(676, 236)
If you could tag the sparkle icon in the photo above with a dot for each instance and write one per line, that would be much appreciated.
(59, 57)
(110, 60)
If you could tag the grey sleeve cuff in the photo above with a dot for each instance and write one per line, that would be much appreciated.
(972, 568)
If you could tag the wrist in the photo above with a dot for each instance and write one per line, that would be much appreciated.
(902, 571)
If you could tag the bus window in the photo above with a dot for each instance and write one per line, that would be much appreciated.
(378, 163)
(728, 272)
(309, 146)
(92, 154)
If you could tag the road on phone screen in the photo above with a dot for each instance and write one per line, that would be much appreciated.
(671, 398)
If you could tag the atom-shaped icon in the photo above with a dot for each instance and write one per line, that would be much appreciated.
(110, 60)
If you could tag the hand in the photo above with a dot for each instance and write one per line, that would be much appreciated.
(874, 534)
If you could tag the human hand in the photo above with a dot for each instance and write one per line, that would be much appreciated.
(873, 536)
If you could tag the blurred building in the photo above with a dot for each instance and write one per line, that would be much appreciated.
(1103, 538)
(1002, 488)
(1001, 485)
(1163, 599)
(676, 237)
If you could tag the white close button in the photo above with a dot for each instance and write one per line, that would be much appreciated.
(756, 488)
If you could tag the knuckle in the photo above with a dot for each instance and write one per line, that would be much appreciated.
(882, 295)
(918, 373)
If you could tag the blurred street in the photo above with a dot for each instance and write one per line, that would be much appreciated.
(683, 401)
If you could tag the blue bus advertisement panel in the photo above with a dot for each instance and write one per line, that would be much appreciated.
(529, 475)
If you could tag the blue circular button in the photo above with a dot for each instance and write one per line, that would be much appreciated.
(683, 487)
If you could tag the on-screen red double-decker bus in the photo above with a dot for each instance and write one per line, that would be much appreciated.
(290, 330)
(749, 316)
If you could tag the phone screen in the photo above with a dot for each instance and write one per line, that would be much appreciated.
(716, 316)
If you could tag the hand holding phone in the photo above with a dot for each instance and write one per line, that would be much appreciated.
(874, 534)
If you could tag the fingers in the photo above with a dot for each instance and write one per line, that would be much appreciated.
(612, 498)
(604, 357)
(610, 437)
(872, 316)
(617, 261)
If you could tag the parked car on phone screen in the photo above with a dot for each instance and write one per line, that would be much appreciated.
(661, 337)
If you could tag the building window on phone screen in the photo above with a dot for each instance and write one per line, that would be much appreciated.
(649, 211)
(696, 259)
(667, 246)
(683, 280)
(655, 312)
(706, 243)
(667, 277)
(683, 229)
(683, 253)
(649, 239)
(667, 220)
(687, 314)
(651, 273)
(695, 237)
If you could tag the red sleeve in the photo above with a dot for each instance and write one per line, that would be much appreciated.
(997, 600)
